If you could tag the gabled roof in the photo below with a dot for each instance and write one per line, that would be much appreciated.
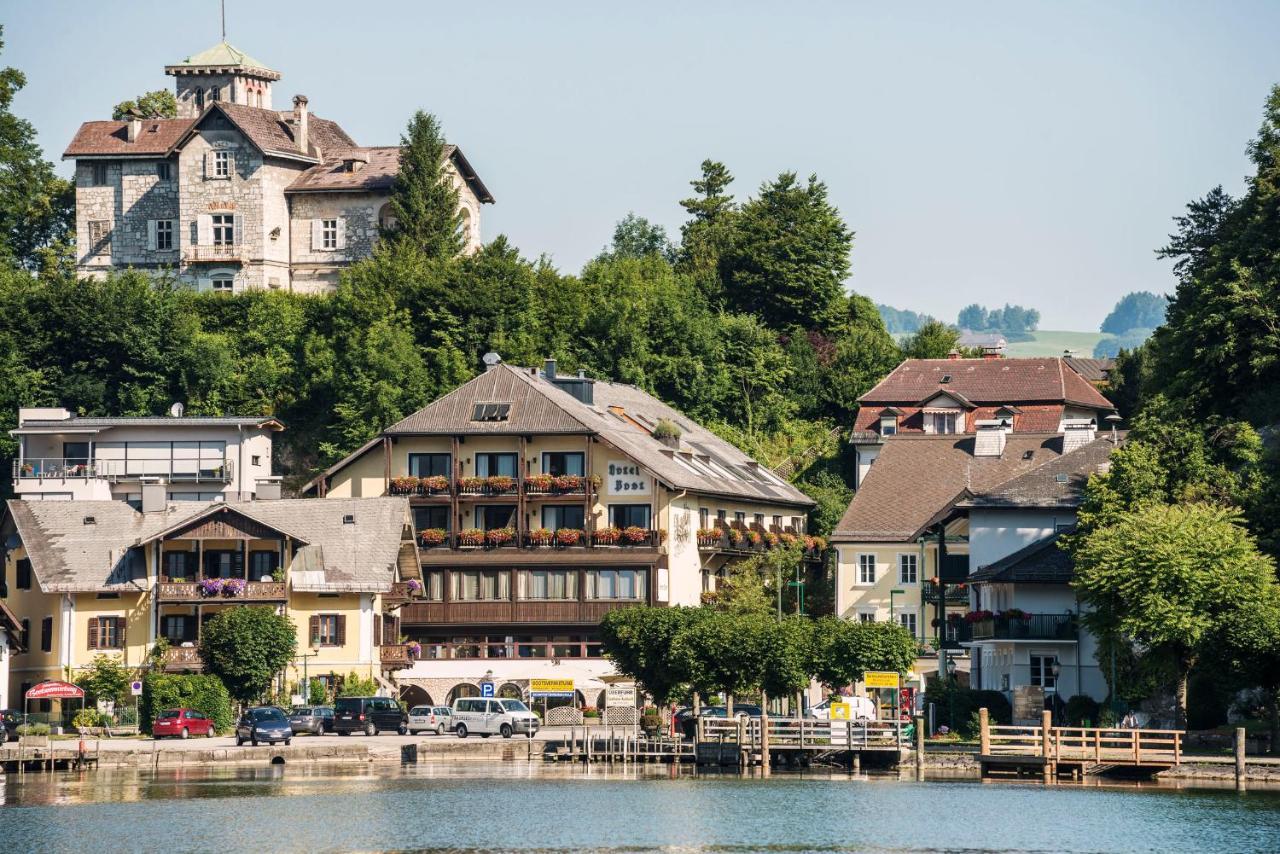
(69, 556)
(272, 132)
(377, 174)
(987, 381)
(621, 416)
(946, 392)
(222, 56)
(917, 478)
(1042, 562)
(111, 139)
(1093, 370)
(1058, 483)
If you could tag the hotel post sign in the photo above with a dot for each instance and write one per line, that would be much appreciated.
(627, 478)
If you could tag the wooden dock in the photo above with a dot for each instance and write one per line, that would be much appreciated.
(748, 742)
(1078, 751)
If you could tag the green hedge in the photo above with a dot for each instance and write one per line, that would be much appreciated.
(205, 694)
(966, 704)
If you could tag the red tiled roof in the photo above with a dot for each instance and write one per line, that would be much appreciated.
(111, 139)
(273, 131)
(1029, 418)
(377, 174)
(989, 381)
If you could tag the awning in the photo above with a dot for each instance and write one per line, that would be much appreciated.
(53, 690)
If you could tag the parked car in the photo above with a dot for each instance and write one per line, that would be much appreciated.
(435, 719)
(369, 715)
(315, 720)
(489, 716)
(689, 724)
(181, 723)
(10, 719)
(862, 709)
(263, 723)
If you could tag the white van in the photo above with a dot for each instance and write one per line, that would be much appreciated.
(488, 716)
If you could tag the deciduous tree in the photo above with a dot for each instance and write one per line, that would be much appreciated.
(157, 104)
(246, 647)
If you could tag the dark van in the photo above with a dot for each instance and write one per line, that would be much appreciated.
(369, 715)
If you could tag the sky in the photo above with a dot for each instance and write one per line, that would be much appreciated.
(1022, 152)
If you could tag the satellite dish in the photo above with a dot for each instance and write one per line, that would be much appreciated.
(176, 410)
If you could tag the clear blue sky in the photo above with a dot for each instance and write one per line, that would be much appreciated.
(992, 152)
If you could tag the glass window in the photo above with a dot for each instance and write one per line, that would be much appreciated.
(908, 621)
(940, 422)
(1042, 671)
(178, 628)
(558, 584)
(495, 465)
(22, 577)
(564, 463)
(704, 518)
(199, 98)
(617, 584)
(907, 569)
(433, 585)
(426, 518)
(563, 516)
(224, 228)
(326, 630)
(164, 234)
(262, 564)
(629, 515)
(889, 426)
(99, 174)
(179, 565)
(866, 569)
(492, 516)
(100, 235)
(223, 285)
(429, 465)
(866, 616)
(109, 633)
(328, 234)
(221, 564)
(479, 585)
(162, 170)
(222, 164)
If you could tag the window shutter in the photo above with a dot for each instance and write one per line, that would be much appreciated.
(122, 625)
(208, 165)
(93, 633)
(239, 229)
(342, 630)
(378, 638)
(204, 230)
(342, 233)
(151, 234)
(315, 631)
(317, 234)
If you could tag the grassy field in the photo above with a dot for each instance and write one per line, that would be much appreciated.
(1052, 343)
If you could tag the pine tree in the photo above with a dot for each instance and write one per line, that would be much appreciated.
(707, 236)
(424, 199)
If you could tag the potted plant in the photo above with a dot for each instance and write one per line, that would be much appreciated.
(787, 538)
(978, 616)
(471, 537)
(432, 537)
(771, 539)
(414, 585)
(499, 537)
(667, 432)
(753, 538)
(277, 574)
(434, 484)
(568, 537)
(596, 481)
(414, 649)
(568, 483)
(634, 535)
(471, 484)
(500, 484)
(540, 537)
(233, 587)
(210, 587)
(539, 483)
(651, 720)
(590, 714)
(404, 485)
(606, 536)
(709, 536)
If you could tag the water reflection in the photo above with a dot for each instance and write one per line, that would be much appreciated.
(519, 806)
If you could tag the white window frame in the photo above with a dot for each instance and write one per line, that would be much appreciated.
(328, 234)
(866, 616)
(909, 621)
(861, 568)
(903, 559)
(888, 425)
(1040, 668)
(164, 235)
(950, 423)
(215, 284)
(222, 163)
(223, 229)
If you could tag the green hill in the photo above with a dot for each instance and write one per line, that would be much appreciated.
(1049, 342)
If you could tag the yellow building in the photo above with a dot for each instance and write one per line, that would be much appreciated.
(85, 578)
(543, 501)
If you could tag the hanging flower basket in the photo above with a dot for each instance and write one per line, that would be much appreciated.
(414, 585)
(568, 537)
(433, 537)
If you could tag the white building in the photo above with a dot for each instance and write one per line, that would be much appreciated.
(62, 457)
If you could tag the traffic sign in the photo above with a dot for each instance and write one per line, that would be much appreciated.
(880, 679)
(136, 687)
(486, 689)
(841, 712)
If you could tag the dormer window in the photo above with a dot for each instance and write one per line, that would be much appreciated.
(888, 425)
(939, 421)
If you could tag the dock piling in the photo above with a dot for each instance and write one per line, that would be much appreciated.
(1240, 769)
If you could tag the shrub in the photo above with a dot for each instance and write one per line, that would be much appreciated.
(86, 718)
(666, 429)
(966, 702)
(33, 729)
(1081, 708)
(204, 693)
(356, 685)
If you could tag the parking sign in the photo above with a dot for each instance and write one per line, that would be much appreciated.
(136, 687)
(486, 689)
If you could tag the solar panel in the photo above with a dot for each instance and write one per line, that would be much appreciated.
(491, 411)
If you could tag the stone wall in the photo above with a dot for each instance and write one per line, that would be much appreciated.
(132, 196)
(357, 214)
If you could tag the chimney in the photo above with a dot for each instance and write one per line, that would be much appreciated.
(134, 128)
(990, 354)
(491, 360)
(1077, 432)
(989, 439)
(300, 123)
(155, 497)
(549, 368)
(954, 355)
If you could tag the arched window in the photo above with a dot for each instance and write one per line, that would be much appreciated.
(214, 93)
(199, 97)
(466, 228)
(386, 217)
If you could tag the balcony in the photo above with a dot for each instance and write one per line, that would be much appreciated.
(952, 594)
(172, 470)
(223, 253)
(56, 468)
(955, 634)
(178, 658)
(1023, 626)
(747, 542)
(221, 591)
(535, 487)
(550, 651)
(395, 656)
(524, 611)
(475, 540)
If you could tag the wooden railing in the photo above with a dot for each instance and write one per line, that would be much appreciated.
(1098, 745)
(806, 733)
(191, 591)
(463, 651)
(452, 541)
(183, 658)
(395, 656)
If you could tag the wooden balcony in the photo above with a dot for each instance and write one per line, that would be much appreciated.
(526, 612)
(742, 543)
(395, 656)
(552, 650)
(180, 658)
(192, 591)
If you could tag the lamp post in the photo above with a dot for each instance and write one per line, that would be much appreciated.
(1055, 669)
(951, 693)
(897, 591)
(306, 682)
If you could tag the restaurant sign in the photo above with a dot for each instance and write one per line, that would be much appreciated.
(880, 679)
(54, 691)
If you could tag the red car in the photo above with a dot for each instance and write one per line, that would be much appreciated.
(182, 723)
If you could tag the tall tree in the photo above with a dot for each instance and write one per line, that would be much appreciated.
(934, 340)
(1136, 310)
(246, 647)
(1163, 577)
(708, 234)
(157, 104)
(790, 255)
(37, 208)
(636, 237)
(424, 199)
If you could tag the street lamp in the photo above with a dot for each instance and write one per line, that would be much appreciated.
(892, 593)
(1055, 669)
(951, 692)
(306, 682)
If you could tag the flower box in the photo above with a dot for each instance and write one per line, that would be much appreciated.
(710, 536)
(634, 535)
(233, 588)
(499, 537)
(471, 485)
(404, 485)
(978, 616)
(500, 484)
(540, 537)
(539, 483)
(606, 536)
(470, 538)
(566, 537)
(414, 650)
(436, 484)
(771, 539)
(432, 537)
(569, 483)
(210, 587)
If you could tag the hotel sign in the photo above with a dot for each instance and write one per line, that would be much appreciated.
(627, 478)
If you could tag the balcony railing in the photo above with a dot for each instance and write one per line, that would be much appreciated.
(611, 538)
(395, 656)
(1026, 627)
(535, 486)
(207, 591)
(464, 651)
(232, 252)
(953, 594)
(183, 658)
(747, 542)
(174, 471)
(954, 634)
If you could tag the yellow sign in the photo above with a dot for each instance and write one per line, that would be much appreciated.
(880, 679)
(550, 687)
(841, 712)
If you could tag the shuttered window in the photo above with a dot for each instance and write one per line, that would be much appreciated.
(328, 630)
(23, 575)
(46, 634)
(106, 633)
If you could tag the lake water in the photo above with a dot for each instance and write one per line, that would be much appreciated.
(474, 808)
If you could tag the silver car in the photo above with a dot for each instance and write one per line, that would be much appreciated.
(316, 720)
(437, 719)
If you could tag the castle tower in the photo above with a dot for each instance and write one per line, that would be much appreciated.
(221, 73)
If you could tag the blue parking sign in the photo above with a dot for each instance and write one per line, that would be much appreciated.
(486, 689)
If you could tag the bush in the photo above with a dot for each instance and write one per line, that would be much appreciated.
(86, 718)
(203, 693)
(966, 702)
(33, 729)
(1082, 708)
(356, 685)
